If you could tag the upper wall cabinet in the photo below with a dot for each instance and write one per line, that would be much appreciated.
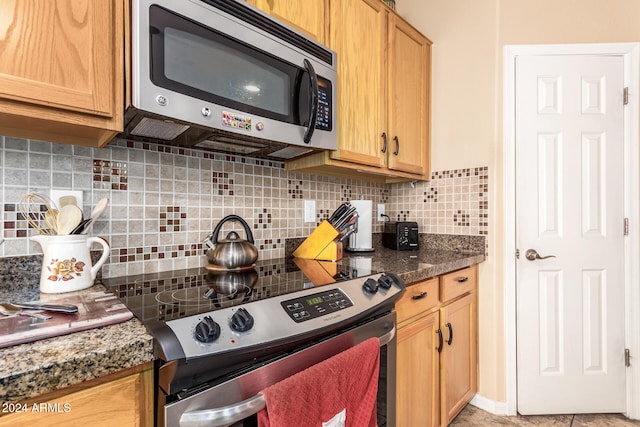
(384, 69)
(61, 70)
(305, 16)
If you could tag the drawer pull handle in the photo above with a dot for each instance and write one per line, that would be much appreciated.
(450, 339)
(440, 342)
(462, 279)
(420, 295)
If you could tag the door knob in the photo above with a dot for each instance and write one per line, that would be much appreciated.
(532, 255)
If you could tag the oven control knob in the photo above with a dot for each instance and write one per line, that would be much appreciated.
(385, 281)
(241, 321)
(370, 286)
(207, 330)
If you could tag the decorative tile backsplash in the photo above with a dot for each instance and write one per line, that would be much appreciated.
(452, 202)
(164, 201)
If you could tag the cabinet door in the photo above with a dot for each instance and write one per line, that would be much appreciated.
(417, 373)
(61, 63)
(409, 121)
(125, 401)
(358, 34)
(307, 17)
(458, 369)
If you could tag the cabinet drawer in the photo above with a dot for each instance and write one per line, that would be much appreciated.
(417, 298)
(458, 283)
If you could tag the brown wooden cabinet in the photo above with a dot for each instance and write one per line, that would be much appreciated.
(124, 399)
(61, 70)
(383, 95)
(437, 349)
(308, 16)
(417, 378)
(458, 371)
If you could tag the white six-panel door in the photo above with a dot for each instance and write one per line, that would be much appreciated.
(569, 205)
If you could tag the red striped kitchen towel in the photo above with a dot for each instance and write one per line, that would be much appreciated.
(340, 391)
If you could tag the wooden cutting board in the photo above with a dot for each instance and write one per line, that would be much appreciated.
(95, 309)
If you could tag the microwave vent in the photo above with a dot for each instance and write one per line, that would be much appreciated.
(290, 152)
(158, 129)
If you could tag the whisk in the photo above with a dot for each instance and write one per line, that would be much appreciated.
(38, 209)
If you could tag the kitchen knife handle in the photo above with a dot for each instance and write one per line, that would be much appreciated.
(57, 308)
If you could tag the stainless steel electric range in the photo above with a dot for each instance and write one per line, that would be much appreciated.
(223, 336)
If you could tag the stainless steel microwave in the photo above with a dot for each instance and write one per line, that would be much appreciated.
(223, 76)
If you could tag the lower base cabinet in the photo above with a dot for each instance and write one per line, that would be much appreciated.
(418, 376)
(458, 359)
(436, 373)
(120, 401)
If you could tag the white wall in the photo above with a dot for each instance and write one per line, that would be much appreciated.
(468, 39)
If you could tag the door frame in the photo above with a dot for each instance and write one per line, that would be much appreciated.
(631, 55)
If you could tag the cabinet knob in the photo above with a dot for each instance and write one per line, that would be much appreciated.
(384, 142)
(450, 339)
(397, 141)
(440, 341)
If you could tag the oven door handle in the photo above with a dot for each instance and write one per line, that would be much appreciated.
(227, 415)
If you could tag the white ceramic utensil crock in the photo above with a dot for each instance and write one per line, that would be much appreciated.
(66, 263)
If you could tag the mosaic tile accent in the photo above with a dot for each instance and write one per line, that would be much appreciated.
(150, 253)
(461, 218)
(404, 216)
(384, 195)
(16, 224)
(172, 219)
(268, 244)
(263, 219)
(108, 175)
(347, 194)
(295, 189)
(223, 183)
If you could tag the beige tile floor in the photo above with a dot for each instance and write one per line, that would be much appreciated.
(474, 417)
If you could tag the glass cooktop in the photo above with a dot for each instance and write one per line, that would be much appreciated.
(181, 293)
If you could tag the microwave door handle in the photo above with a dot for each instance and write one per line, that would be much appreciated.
(313, 78)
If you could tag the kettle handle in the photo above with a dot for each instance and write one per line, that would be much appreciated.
(247, 229)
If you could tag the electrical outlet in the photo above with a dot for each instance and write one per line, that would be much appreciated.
(309, 211)
(56, 194)
(381, 212)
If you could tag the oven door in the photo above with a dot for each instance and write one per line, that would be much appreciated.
(236, 402)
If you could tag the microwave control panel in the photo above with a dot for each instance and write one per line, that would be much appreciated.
(324, 121)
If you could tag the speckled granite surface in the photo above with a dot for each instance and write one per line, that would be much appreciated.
(32, 369)
(438, 254)
(414, 266)
(29, 370)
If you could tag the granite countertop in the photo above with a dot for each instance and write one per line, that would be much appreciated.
(414, 266)
(32, 369)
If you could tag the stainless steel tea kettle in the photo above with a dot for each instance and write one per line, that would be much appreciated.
(232, 252)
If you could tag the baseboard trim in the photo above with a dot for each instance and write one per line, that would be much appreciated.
(491, 406)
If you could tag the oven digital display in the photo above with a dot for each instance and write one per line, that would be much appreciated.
(316, 305)
(314, 301)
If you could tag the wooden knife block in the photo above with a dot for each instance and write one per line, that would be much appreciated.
(321, 244)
